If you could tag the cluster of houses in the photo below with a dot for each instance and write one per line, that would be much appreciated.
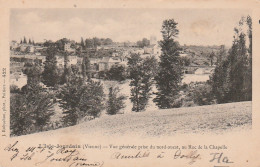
(21, 53)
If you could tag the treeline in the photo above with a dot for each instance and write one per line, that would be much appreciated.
(84, 44)
(232, 79)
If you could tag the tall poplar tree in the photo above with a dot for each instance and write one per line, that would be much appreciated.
(170, 71)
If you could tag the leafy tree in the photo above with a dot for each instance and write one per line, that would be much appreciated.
(96, 42)
(143, 43)
(80, 99)
(49, 43)
(33, 72)
(30, 110)
(60, 43)
(50, 74)
(117, 73)
(142, 72)
(115, 103)
(30, 42)
(89, 43)
(170, 70)
(108, 41)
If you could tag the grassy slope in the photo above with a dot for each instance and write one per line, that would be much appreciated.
(203, 119)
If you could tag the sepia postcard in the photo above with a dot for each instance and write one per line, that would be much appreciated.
(129, 83)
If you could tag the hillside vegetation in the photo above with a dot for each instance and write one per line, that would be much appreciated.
(217, 119)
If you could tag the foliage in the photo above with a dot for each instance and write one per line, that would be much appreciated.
(50, 74)
(201, 94)
(170, 70)
(141, 74)
(115, 103)
(24, 40)
(232, 79)
(30, 110)
(67, 72)
(82, 43)
(14, 89)
(143, 43)
(117, 73)
(89, 43)
(60, 43)
(185, 61)
(33, 72)
(80, 99)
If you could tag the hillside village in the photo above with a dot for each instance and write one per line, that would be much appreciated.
(63, 83)
(198, 59)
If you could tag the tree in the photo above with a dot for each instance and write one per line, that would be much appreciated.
(108, 41)
(96, 42)
(50, 74)
(232, 78)
(115, 103)
(67, 70)
(30, 42)
(143, 43)
(89, 43)
(80, 99)
(82, 43)
(30, 110)
(142, 72)
(33, 72)
(86, 67)
(60, 43)
(117, 73)
(24, 40)
(170, 71)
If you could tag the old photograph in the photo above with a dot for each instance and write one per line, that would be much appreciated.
(113, 72)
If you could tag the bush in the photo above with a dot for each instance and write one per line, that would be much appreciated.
(117, 73)
(202, 94)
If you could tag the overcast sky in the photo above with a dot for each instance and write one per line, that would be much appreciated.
(196, 26)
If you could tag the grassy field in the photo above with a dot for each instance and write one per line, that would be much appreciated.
(217, 119)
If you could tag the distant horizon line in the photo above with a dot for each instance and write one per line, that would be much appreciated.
(18, 41)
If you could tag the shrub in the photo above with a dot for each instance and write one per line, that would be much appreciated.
(117, 73)
(202, 94)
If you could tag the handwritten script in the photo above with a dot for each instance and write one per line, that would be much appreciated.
(73, 156)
